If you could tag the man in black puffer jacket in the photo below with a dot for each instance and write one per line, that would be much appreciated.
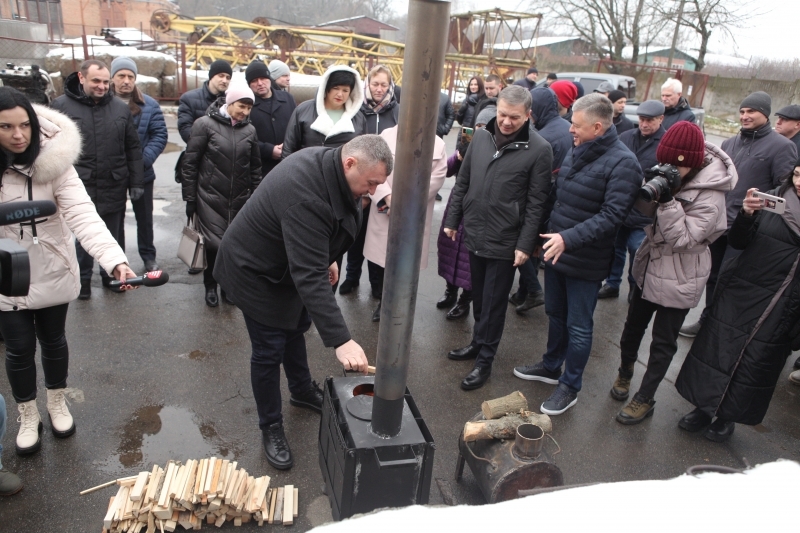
(194, 103)
(111, 159)
(500, 193)
(643, 142)
(594, 192)
(555, 130)
(446, 116)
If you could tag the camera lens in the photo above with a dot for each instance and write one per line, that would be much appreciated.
(648, 193)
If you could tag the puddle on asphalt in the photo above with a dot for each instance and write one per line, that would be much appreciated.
(156, 434)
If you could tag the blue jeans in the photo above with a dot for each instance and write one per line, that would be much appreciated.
(529, 277)
(569, 304)
(2, 426)
(628, 241)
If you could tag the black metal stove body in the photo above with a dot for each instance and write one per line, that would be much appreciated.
(363, 471)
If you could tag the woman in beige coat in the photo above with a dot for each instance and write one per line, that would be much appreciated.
(378, 223)
(38, 147)
(673, 262)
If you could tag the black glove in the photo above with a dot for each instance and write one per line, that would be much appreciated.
(674, 181)
(666, 197)
(136, 193)
(191, 209)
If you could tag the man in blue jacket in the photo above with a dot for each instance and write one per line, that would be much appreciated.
(595, 189)
(152, 130)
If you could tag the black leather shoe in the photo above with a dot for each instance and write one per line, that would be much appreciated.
(532, 300)
(465, 353)
(449, 298)
(720, 430)
(461, 309)
(694, 421)
(607, 292)
(376, 314)
(150, 266)
(276, 447)
(347, 286)
(225, 298)
(310, 399)
(476, 378)
(211, 297)
(438, 197)
(517, 298)
(86, 290)
(194, 271)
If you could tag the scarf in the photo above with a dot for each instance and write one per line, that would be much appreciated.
(378, 107)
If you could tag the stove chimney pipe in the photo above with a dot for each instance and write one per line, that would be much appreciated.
(423, 70)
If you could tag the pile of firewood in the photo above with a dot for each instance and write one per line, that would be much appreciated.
(209, 490)
(502, 416)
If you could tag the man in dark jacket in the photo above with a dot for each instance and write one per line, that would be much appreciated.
(491, 88)
(677, 107)
(111, 160)
(500, 194)
(554, 130)
(788, 123)
(529, 81)
(763, 158)
(193, 104)
(270, 115)
(595, 189)
(643, 142)
(152, 130)
(621, 122)
(277, 261)
(446, 116)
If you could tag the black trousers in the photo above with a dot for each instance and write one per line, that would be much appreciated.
(115, 222)
(355, 259)
(491, 282)
(666, 326)
(208, 273)
(20, 330)
(143, 210)
(272, 347)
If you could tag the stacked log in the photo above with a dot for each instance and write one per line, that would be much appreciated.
(212, 490)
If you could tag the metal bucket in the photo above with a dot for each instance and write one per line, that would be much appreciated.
(504, 467)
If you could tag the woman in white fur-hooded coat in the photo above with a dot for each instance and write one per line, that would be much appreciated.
(332, 118)
(45, 172)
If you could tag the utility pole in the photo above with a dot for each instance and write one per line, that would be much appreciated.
(675, 35)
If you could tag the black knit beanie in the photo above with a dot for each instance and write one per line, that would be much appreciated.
(760, 101)
(220, 66)
(256, 69)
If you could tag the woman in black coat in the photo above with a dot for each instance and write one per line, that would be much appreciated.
(466, 113)
(754, 321)
(221, 169)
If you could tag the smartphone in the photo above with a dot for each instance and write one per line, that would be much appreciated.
(466, 135)
(776, 204)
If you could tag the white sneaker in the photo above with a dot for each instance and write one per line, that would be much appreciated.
(30, 427)
(60, 420)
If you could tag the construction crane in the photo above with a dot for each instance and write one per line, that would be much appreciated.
(311, 50)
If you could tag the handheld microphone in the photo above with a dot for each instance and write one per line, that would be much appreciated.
(155, 278)
(16, 212)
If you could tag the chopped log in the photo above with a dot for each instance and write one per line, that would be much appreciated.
(107, 521)
(288, 505)
(279, 506)
(513, 403)
(504, 428)
(220, 521)
(295, 501)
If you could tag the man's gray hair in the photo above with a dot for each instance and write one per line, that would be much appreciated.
(596, 107)
(515, 95)
(371, 149)
(674, 85)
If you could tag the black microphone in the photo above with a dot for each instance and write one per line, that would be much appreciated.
(16, 212)
(155, 278)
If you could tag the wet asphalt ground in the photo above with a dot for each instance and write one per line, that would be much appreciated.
(157, 375)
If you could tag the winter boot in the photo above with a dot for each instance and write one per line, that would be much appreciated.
(622, 386)
(30, 428)
(60, 420)
(637, 410)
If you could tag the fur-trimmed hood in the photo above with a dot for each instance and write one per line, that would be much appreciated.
(324, 124)
(61, 145)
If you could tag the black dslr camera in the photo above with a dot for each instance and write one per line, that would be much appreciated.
(15, 268)
(659, 180)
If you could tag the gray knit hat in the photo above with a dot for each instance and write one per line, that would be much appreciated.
(278, 69)
(486, 114)
(760, 101)
(123, 63)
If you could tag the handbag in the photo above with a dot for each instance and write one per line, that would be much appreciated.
(192, 248)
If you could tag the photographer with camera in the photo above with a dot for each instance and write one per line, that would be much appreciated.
(38, 147)
(673, 262)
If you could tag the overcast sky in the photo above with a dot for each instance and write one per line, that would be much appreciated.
(768, 35)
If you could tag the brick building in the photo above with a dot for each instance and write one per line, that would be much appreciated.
(73, 18)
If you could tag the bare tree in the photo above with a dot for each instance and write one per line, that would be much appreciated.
(704, 17)
(607, 25)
